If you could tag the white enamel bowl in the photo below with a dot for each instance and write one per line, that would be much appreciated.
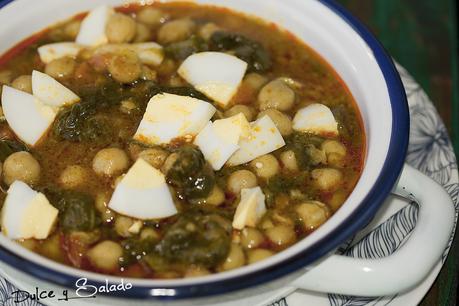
(372, 79)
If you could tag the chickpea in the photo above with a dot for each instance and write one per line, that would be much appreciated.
(288, 159)
(258, 255)
(297, 194)
(176, 30)
(154, 156)
(167, 67)
(148, 74)
(110, 162)
(207, 30)
(335, 151)
(150, 16)
(30, 244)
(105, 255)
(241, 179)
(216, 197)
(23, 82)
(72, 29)
(170, 161)
(327, 179)
(142, 33)
(281, 120)
(149, 234)
(247, 111)
(265, 166)
(313, 214)
(196, 272)
(235, 259)
(101, 204)
(176, 81)
(122, 225)
(276, 95)
(281, 235)
(333, 146)
(337, 199)
(51, 248)
(281, 201)
(125, 67)
(21, 166)
(251, 238)
(335, 160)
(255, 81)
(61, 68)
(267, 223)
(128, 106)
(120, 28)
(280, 218)
(73, 176)
(316, 156)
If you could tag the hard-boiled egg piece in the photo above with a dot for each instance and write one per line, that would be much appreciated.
(50, 91)
(143, 194)
(216, 147)
(219, 139)
(215, 74)
(250, 209)
(264, 138)
(171, 116)
(149, 53)
(240, 127)
(27, 116)
(317, 119)
(27, 213)
(51, 52)
(92, 30)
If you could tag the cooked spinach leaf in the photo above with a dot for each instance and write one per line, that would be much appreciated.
(348, 123)
(80, 123)
(182, 49)
(191, 175)
(246, 49)
(76, 210)
(8, 147)
(301, 143)
(180, 91)
(196, 238)
(280, 183)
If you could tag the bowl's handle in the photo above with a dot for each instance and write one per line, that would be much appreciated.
(407, 266)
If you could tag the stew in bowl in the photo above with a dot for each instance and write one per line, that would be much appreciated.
(171, 140)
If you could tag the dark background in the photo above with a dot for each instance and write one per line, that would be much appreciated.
(422, 36)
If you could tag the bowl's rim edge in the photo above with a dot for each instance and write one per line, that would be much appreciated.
(358, 219)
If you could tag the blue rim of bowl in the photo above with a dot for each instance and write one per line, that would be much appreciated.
(357, 220)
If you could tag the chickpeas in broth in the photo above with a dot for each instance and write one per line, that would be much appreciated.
(136, 182)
